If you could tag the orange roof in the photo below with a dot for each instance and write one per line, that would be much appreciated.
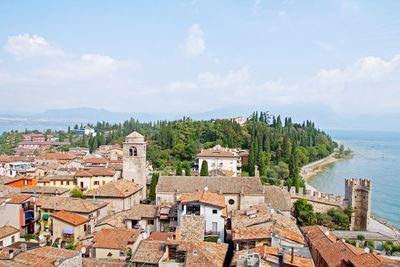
(115, 238)
(290, 235)
(7, 230)
(251, 233)
(161, 236)
(95, 172)
(95, 160)
(18, 198)
(335, 252)
(70, 217)
(203, 197)
(58, 156)
(218, 153)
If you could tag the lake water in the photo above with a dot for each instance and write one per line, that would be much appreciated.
(376, 156)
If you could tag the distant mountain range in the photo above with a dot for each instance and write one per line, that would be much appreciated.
(321, 115)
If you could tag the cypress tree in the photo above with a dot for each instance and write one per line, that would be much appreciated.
(154, 181)
(188, 171)
(251, 165)
(178, 171)
(204, 168)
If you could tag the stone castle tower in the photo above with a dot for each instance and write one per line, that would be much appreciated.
(358, 196)
(134, 159)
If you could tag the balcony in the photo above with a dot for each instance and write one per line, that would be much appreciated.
(212, 233)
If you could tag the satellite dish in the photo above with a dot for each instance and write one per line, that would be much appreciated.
(41, 237)
(83, 250)
(366, 250)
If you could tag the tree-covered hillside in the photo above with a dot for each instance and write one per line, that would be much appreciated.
(279, 147)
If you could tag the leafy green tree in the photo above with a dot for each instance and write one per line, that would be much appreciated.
(204, 168)
(304, 212)
(76, 192)
(283, 170)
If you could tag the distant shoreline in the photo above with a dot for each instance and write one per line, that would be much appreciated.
(312, 169)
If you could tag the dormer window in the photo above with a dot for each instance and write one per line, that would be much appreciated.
(133, 152)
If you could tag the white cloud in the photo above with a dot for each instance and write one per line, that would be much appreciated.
(217, 80)
(25, 45)
(182, 87)
(195, 44)
(367, 69)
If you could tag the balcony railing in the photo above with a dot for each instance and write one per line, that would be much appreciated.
(212, 233)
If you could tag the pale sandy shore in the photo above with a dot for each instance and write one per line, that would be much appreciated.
(312, 169)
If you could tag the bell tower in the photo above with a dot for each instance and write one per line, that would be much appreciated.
(134, 159)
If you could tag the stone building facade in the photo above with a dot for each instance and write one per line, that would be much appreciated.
(134, 159)
(358, 196)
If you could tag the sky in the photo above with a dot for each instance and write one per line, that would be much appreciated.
(196, 56)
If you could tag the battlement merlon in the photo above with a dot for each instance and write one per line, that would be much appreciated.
(360, 183)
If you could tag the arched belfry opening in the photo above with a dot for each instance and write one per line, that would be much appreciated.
(133, 152)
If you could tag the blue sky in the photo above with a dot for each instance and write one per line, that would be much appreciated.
(195, 56)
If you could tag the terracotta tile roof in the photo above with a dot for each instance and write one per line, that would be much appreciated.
(120, 188)
(215, 184)
(18, 198)
(94, 160)
(115, 238)
(70, 217)
(261, 214)
(77, 205)
(251, 233)
(44, 256)
(95, 172)
(161, 236)
(7, 230)
(217, 153)
(203, 197)
(290, 235)
(116, 220)
(200, 253)
(142, 211)
(149, 251)
(92, 262)
(279, 198)
(335, 252)
(57, 156)
(35, 189)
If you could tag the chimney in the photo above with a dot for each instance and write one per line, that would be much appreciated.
(281, 257)
(292, 255)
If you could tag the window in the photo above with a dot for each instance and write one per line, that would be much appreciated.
(104, 182)
(1, 243)
(150, 222)
(96, 183)
(192, 209)
(81, 184)
(67, 182)
(133, 152)
(231, 201)
(215, 211)
(62, 182)
(13, 239)
(122, 254)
